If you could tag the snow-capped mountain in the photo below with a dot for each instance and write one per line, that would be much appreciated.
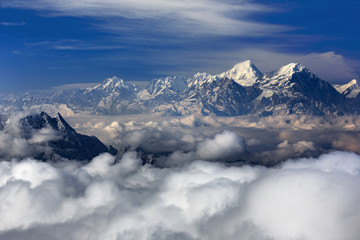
(47, 138)
(243, 89)
(113, 95)
(350, 90)
(221, 96)
(244, 73)
(164, 88)
(294, 89)
(113, 85)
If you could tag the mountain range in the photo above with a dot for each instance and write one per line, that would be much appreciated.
(242, 90)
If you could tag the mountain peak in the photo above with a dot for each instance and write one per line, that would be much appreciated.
(354, 83)
(199, 79)
(111, 84)
(161, 85)
(62, 124)
(245, 63)
(244, 73)
(350, 89)
(291, 68)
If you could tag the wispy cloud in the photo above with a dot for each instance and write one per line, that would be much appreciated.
(72, 44)
(196, 17)
(12, 23)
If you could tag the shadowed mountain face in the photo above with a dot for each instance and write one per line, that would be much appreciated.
(50, 138)
(242, 90)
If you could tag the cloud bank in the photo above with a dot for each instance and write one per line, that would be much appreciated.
(302, 199)
(267, 140)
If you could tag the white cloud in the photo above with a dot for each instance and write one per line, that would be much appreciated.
(301, 199)
(225, 146)
(19, 141)
(182, 139)
(195, 17)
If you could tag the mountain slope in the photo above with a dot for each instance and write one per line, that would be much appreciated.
(350, 90)
(222, 97)
(112, 96)
(164, 88)
(50, 138)
(294, 89)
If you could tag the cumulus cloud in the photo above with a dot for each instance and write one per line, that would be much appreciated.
(156, 140)
(18, 141)
(348, 142)
(286, 150)
(205, 16)
(226, 145)
(267, 140)
(301, 199)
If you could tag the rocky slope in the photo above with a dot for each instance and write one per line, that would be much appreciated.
(49, 138)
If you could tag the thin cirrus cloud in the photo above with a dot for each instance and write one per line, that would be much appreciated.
(195, 17)
(12, 23)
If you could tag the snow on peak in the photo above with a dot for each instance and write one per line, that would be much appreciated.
(113, 82)
(200, 78)
(353, 83)
(244, 73)
(350, 89)
(290, 69)
(176, 83)
(110, 84)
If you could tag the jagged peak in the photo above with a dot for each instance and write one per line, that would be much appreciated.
(200, 78)
(175, 83)
(58, 116)
(202, 75)
(62, 124)
(112, 83)
(44, 115)
(168, 79)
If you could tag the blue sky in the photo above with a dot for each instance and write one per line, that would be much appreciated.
(46, 43)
